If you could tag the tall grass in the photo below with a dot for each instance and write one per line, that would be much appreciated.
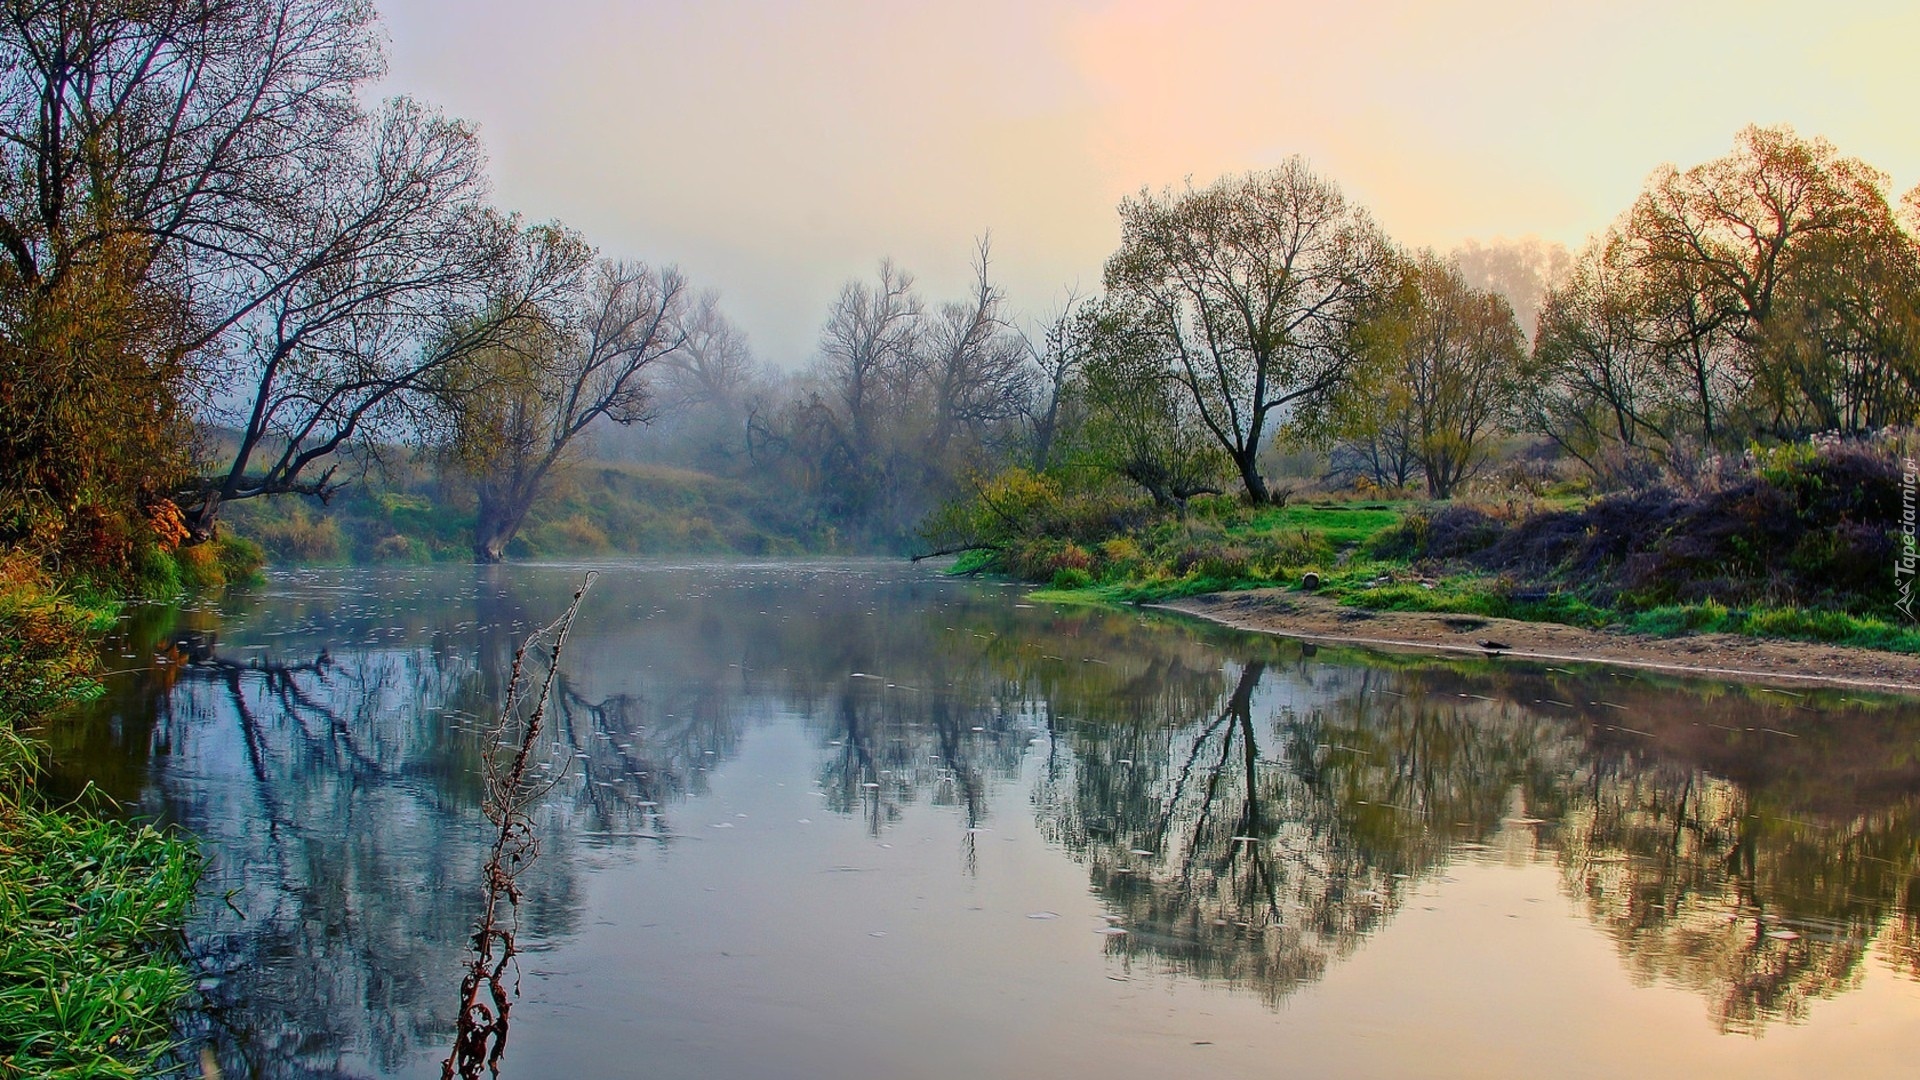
(89, 907)
(87, 983)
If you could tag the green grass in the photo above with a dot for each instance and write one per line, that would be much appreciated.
(1145, 592)
(89, 907)
(1474, 596)
(88, 981)
(1342, 525)
(1791, 623)
(1248, 549)
(594, 508)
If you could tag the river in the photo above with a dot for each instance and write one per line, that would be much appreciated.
(855, 819)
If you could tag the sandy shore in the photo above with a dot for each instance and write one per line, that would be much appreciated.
(1726, 656)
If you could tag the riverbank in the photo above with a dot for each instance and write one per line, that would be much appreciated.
(92, 906)
(1788, 552)
(1723, 656)
(596, 509)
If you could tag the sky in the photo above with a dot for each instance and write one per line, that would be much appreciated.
(775, 150)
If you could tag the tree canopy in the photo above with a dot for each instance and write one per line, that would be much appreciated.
(1251, 289)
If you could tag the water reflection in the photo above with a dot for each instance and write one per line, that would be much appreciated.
(1247, 811)
(1256, 850)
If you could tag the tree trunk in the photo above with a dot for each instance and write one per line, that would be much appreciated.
(495, 526)
(1247, 461)
(202, 517)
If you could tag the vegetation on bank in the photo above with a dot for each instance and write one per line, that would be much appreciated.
(409, 515)
(92, 906)
(1798, 541)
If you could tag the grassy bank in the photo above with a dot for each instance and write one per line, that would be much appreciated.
(408, 515)
(91, 906)
(1797, 542)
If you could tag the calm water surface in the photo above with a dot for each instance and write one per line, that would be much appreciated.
(849, 819)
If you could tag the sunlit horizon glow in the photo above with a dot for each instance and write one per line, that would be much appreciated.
(775, 150)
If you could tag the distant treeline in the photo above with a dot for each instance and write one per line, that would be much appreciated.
(1759, 298)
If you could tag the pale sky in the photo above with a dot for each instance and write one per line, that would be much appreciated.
(774, 150)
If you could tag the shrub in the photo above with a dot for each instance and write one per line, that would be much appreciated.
(1405, 541)
(45, 640)
(1213, 560)
(1119, 557)
(1809, 524)
(577, 534)
(200, 566)
(395, 548)
(1451, 531)
(1069, 577)
(240, 558)
(1283, 550)
(1456, 531)
(300, 537)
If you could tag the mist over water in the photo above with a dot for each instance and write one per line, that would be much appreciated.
(848, 818)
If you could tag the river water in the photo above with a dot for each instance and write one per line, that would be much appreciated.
(853, 819)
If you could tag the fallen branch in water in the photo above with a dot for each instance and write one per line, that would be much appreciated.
(480, 1036)
(961, 550)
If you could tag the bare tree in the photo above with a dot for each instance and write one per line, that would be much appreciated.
(521, 406)
(1056, 356)
(392, 268)
(298, 265)
(1253, 285)
(149, 152)
(707, 391)
(975, 366)
(1521, 270)
(716, 366)
(180, 124)
(870, 354)
(855, 420)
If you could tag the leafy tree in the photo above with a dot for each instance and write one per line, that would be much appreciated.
(1784, 226)
(1596, 384)
(1140, 419)
(1459, 360)
(1252, 287)
(520, 407)
(92, 429)
(1441, 370)
(1842, 347)
(1770, 292)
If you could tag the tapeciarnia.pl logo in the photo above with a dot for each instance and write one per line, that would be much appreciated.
(1903, 567)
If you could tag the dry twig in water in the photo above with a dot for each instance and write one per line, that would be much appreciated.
(481, 1034)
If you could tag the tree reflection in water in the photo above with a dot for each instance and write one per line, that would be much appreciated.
(1256, 847)
(1248, 812)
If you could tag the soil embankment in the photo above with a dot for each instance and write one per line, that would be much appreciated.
(1728, 656)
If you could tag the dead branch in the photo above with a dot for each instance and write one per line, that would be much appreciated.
(480, 1036)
